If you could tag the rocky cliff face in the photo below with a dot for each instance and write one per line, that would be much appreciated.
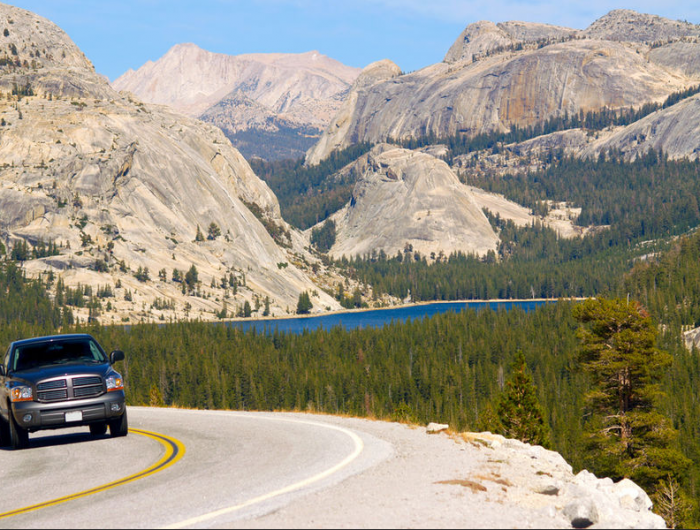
(630, 26)
(259, 92)
(122, 187)
(497, 76)
(409, 200)
(675, 130)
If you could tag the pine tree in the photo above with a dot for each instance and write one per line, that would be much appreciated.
(304, 304)
(628, 435)
(671, 503)
(519, 410)
(213, 231)
(199, 237)
(155, 397)
(192, 278)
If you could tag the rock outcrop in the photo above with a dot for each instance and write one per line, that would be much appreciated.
(498, 76)
(675, 130)
(482, 38)
(121, 187)
(262, 92)
(542, 479)
(339, 131)
(630, 26)
(409, 200)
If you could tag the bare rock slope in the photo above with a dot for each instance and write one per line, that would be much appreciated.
(263, 92)
(516, 73)
(409, 200)
(122, 188)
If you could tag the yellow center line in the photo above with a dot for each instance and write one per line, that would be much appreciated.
(174, 451)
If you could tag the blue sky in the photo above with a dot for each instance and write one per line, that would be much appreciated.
(122, 34)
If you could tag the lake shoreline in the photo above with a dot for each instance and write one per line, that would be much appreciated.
(321, 314)
(377, 317)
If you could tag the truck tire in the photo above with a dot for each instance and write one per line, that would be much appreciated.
(19, 438)
(4, 433)
(98, 429)
(119, 427)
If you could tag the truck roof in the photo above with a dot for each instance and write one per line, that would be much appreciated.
(52, 338)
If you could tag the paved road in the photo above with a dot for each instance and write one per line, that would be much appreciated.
(235, 465)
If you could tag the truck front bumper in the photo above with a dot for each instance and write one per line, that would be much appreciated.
(35, 416)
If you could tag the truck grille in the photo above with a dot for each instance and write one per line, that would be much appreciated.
(84, 381)
(48, 385)
(53, 395)
(87, 391)
(66, 389)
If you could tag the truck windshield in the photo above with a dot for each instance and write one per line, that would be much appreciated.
(56, 352)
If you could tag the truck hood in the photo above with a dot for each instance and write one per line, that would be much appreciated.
(63, 370)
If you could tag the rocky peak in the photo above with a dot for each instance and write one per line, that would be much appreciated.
(409, 200)
(484, 37)
(296, 94)
(36, 56)
(376, 72)
(38, 41)
(630, 26)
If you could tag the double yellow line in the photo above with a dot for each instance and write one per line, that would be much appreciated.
(174, 451)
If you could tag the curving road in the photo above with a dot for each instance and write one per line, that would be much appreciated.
(211, 468)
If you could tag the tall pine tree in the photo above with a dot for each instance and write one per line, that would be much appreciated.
(628, 435)
(519, 410)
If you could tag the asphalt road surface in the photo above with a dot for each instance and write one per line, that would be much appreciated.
(178, 468)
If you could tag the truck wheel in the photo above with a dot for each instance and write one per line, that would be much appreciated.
(19, 438)
(98, 429)
(119, 427)
(4, 433)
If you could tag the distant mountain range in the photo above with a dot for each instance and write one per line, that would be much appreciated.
(497, 76)
(269, 105)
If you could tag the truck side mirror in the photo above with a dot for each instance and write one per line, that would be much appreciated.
(2, 370)
(115, 356)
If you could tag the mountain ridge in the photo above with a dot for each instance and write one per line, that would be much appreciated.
(495, 77)
(296, 91)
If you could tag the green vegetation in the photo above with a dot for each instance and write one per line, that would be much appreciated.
(213, 231)
(282, 144)
(323, 238)
(306, 194)
(278, 232)
(520, 414)
(649, 198)
(304, 305)
(626, 431)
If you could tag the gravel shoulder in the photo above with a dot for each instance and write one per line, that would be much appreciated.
(429, 480)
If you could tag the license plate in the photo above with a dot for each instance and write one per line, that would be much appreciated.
(74, 416)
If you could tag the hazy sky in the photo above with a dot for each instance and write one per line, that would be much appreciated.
(122, 34)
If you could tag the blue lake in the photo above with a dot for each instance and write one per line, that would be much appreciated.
(375, 318)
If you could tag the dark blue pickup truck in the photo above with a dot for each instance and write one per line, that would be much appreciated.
(57, 382)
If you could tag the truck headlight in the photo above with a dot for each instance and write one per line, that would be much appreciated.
(21, 393)
(114, 382)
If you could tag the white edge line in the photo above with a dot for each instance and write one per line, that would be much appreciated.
(359, 446)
